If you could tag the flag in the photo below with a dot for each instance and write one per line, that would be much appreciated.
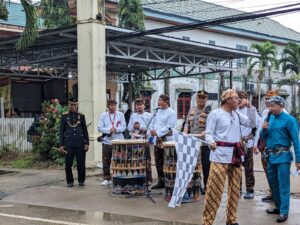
(187, 150)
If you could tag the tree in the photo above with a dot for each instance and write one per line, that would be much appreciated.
(131, 17)
(290, 62)
(3, 10)
(265, 60)
(30, 32)
(56, 13)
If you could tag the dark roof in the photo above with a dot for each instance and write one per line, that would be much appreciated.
(198, 10)
(16, 16)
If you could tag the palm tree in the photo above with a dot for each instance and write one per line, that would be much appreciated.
(265, 60)
(290, 62)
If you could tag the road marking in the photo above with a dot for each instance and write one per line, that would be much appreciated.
(40, 219)
(4, 206)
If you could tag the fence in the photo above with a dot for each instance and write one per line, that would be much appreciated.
(13, 133)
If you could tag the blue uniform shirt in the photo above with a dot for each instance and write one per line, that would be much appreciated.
(283, 130)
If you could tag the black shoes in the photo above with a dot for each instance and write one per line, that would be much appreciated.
(282, 218)
(267, 199)
(70, 184)
(273, 211)
(81, 184)
(231, 223)
(158, 185)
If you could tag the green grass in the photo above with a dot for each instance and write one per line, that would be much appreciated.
(24, 163)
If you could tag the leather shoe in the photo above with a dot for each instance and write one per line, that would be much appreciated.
(282, 218)
(273, 211)
(81, 184)
(158, 185)
(69, 184)
(267, 199)
(232, 224)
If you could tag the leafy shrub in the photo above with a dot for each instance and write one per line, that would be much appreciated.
(47, 137)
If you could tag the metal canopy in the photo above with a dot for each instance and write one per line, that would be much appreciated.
(54, 56)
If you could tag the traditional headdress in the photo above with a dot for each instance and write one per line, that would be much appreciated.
(277, 100)
(228, 94)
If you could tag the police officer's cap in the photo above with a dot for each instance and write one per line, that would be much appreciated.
(73, 100)
(202, 93)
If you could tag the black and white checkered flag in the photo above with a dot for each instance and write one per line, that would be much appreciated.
(187, 150)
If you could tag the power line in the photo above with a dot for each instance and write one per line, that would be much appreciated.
(214, 22)
(212, 9)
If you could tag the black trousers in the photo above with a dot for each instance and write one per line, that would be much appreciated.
(159, 163)
(205, 152)
(106, 160)
(79, 153)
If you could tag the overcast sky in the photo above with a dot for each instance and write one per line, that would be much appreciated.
(291, 20)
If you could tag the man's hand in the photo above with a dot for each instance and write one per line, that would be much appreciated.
(86, 148)
(213, 146)
(202, 134)
(153, 133)
(136, 125)
(62, 150)
(112, 130)
(186, 130)
(255, 150)
(265, 125)
(298, 166)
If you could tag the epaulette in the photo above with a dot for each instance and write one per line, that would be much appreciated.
(65, 113)
(81, 114)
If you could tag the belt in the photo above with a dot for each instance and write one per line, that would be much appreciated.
(226, 144)
(278, 150)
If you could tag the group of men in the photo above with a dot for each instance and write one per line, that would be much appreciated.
(230, 135)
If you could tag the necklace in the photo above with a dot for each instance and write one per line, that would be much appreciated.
(76, 123)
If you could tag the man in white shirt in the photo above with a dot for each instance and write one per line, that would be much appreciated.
(138, 123)
(223, 134)
(112, 125)
(248, 139)
(164, 121)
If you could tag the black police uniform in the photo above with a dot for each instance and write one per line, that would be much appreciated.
(74, 135)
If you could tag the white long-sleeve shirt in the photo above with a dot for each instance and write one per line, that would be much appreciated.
(246, 131)
(142, 118)
(163, 122)
(107, 121)
(225, 126)
(259, 127)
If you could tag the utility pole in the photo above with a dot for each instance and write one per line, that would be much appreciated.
(91, 69)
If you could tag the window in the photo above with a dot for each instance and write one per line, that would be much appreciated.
(186, 38)
(211, 42)
(147, 95)
(183, 104)
(212, 96)
(242, 61)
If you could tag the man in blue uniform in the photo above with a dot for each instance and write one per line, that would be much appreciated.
(74, 141)
(281, 130)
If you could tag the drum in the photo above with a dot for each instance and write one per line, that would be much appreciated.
(192, 193)
(128, 166)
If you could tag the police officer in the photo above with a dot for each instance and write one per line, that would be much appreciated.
(74, 141)
(196, 124)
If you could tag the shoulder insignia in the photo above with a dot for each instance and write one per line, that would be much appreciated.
(65, 113)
